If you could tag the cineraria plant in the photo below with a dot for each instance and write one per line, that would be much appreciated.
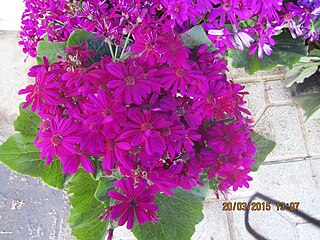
(131, 110)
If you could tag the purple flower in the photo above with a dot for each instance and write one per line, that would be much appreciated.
(178, 78)
(44, 90)
(128, 81)
(145, 127)
(60, 139)
(227, 138)
(136, 201)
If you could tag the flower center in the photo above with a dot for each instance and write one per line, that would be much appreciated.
(146, 126)
(226, 6)
(173, 47)
(107, 112)
(177, 9)
(129, 80)
(222, 159)
(56, 139)
(37, 89)
(180, 73)
(181, 111)
(111, 144)
(133, 202)
(210, 98)
(227, 138)
(166, 131)
(150, 46)
(288, 17)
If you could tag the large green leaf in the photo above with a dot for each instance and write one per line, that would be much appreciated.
(264, 148)
(310, 104)
(306, 67)
(196, 37)
(101, 193)
(86, 209)
(50, 50)
(178, 216)
(27, 122)
(19, 154)
(286, 52)
(79, 37)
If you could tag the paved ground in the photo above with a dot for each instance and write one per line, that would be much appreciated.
(31, 210)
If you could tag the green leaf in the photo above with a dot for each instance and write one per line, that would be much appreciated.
(79, 37)
(196, 37)
(50, 50)
(310, 104)
(86, 209)
(264, 148)
(101, 193)
(20, 155)
(300, 72)
(306, 67)
(27, 122)
(286, 52)
(178, 216)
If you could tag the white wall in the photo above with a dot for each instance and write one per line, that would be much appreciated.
(10, 14)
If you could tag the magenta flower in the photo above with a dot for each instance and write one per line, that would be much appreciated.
(181, 11)
(136, 201)
(235, 175)
(227, 138)
(108, 112)
(115, 150)
(179, 77)
(60, 139)
(43, 91)
(128, 81)
(173, 135)
(145, 128)
(211, 99)
(172, 50)
(71, 162)
(146, 43)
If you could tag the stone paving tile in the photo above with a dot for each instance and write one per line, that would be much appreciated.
(13, 71)
(312, 127)
(281, 124)
(240, 75)
(256, 101)
(267, 223)
(291, 182)
(214, 225)
(28, 208)
(315, 164)
(277, 92)
(308, 231)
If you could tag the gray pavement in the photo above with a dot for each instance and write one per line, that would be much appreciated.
(31, 210)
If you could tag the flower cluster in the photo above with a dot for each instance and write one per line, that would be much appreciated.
(229, 23)
(153, 111)
(161, 121)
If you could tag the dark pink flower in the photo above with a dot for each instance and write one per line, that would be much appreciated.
(107, 112)
(179, 78)
(71, 162)
(115, 150)
(129, 81)
(60, 139)
(145, 127)
(172, 50)
(227, 138)
(136, 201)
(44, 90)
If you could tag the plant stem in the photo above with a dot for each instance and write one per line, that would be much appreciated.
(125, 45)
